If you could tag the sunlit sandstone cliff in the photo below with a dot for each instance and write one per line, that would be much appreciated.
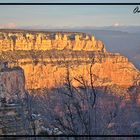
(42, 41)
(108, 69)
(47, 58)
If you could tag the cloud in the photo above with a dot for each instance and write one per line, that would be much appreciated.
(10, 25)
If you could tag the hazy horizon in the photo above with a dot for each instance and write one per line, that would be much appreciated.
(60, 16)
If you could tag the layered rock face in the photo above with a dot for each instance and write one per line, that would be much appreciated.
(12, 82)
(63, 53)
(107, 69)
(42, 41)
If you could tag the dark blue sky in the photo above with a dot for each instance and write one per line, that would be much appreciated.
(71, 16)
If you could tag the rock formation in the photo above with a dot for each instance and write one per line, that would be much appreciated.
(48, 68)
(12, 82)
(109, 71)
(42, 41)
(38, 60)
(12, 90)
(15, 116)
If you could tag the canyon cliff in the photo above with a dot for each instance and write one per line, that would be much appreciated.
(108, 70)
(47, 58)
(12, 82)
(47, 41)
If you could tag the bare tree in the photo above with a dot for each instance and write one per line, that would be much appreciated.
(78, 107)
(78, 111)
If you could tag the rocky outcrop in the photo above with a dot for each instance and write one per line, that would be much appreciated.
(14, 107)
(108, 69)
(12, 82)
(48, 41)
(46, 59)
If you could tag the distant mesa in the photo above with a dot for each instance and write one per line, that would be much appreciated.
(12, 41)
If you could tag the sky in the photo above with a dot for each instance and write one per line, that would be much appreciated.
(67, 16)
